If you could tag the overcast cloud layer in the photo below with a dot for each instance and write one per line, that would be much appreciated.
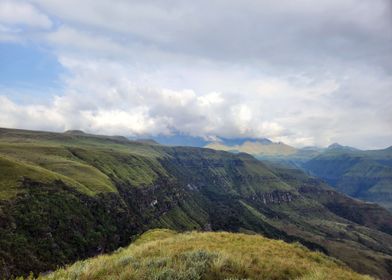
(303, 72)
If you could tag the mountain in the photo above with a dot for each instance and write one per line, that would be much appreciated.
(339, 148)
(180, 139)
(263, 147)
(165, 254)
(365, 175)
(241, 141)
(69, 196)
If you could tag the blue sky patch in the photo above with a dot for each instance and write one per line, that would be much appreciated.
(28, 69)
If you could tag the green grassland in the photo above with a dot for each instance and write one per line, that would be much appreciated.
(13, 171)
(164, 254)
(82, 161)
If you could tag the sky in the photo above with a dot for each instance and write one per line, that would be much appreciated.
(302, 72)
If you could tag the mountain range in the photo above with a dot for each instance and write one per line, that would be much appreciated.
(366, 175)
(69, 196)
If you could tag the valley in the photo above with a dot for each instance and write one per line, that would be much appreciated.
(365, 175)
(69, 196)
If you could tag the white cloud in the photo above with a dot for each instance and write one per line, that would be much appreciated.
(30, 116)
(67, 38)
(303, 73)
(22, 13)
(102, 97)
(137, 122)
(265, 32)
(8, 34)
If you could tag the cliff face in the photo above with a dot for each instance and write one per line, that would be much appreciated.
(277, 197)
(57, 214)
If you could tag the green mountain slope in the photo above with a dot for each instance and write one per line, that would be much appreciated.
(68, 196)
(365, 175)
(164, 254)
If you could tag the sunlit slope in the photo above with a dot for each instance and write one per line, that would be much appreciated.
(164, 254)
(255, 148)
(14, 172)
(89, 163)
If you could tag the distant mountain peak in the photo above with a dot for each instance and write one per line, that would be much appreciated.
(337, 146)
(253, 146)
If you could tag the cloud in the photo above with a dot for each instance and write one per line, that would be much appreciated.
(18, 19)
(103, 97)
(301, 73)
(266, 32)
(70, 39)
(30, 116)
(8, 34)
(22, 13)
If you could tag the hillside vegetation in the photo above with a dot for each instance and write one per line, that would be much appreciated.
(68, 196)
(365, 175)
(164, 254)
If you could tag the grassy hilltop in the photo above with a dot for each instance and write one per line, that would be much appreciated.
(164, 254)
